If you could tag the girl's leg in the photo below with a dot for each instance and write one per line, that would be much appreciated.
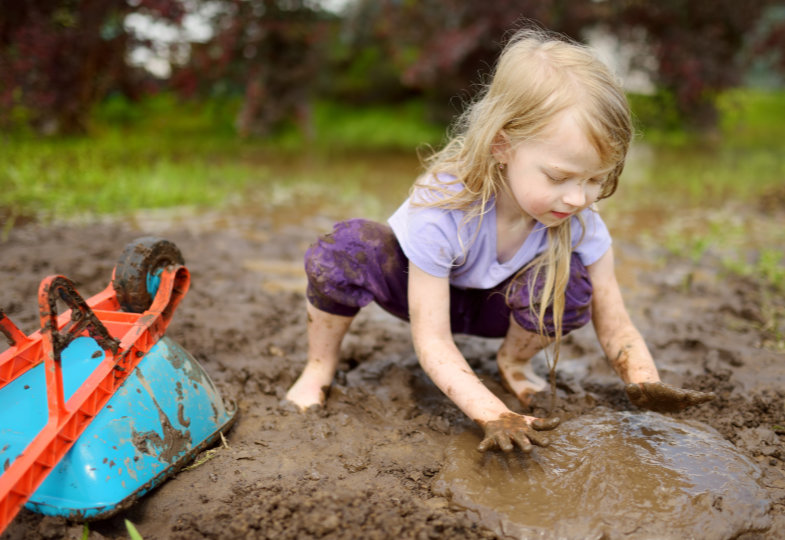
(523, 340)
(513, 359)
(325, 333)
(358, 263)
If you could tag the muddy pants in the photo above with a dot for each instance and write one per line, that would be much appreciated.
(361, 262)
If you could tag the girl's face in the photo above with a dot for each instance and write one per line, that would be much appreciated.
(554, 176)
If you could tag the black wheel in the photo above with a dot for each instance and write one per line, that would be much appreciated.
(135, 275)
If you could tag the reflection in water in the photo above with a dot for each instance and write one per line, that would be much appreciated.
(611, 474)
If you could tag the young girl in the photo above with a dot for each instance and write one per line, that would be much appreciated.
(499, 238)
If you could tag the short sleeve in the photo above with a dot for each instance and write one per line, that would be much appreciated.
(596, 239)
(427, 236)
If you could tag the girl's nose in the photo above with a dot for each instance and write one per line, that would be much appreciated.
(575, 195)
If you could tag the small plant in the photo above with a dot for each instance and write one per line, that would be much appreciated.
(769, 268)
(132, 532)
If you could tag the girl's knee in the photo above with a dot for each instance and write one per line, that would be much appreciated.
(348, 268)
(348, 250)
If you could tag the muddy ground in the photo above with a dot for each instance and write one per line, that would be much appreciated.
(365, 467)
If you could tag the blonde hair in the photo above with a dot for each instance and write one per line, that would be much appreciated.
(537, 76)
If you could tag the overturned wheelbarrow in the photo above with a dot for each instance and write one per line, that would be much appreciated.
(99, 407)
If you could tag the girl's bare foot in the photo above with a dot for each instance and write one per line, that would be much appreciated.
(520, 379)
(306, 393)
(325, 332)
(515, 368)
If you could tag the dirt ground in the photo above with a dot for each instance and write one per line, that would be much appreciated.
(365, 466)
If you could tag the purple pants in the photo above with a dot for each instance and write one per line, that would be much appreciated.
(361, 262)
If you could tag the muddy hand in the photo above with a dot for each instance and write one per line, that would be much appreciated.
(661, 397)
(514, 429)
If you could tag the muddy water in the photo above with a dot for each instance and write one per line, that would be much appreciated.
(612, 475)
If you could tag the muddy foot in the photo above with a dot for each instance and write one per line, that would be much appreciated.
(521, 380)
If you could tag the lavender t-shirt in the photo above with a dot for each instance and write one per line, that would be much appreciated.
(438, 242)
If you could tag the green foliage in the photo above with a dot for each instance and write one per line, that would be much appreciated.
(116, 173)
(657, 117)
(163, 152)
(749, 117)
(400, 126)
(118, 110)
(165, 115)
(768, 266)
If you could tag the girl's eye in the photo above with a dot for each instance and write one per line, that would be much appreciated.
(598, 181)
(555, 179)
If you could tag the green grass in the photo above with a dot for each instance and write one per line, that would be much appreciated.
(752, 118)
(163, 153)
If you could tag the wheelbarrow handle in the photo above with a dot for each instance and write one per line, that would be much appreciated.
(12, 334)
(56, 340)
(82, 317)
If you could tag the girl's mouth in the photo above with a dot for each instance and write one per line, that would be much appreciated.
(561, 215)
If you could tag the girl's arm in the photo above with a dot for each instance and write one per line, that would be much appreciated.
(625, 348)
(429, 310)
(621, 341)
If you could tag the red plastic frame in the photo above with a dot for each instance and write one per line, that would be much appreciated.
(130, 337)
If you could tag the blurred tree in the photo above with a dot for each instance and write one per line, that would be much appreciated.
(270, 51)
(441, 46)
(768, 41)
(701, 47)
(359, 65)
(59, 57)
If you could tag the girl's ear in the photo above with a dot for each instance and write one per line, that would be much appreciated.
(500, 149)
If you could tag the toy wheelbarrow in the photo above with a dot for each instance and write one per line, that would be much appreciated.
(99, 407)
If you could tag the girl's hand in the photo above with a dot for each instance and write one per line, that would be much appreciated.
(511, 428)
(661, 397)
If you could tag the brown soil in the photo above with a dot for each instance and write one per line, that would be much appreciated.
(365, 466)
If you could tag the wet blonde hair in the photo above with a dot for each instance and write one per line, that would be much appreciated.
(537, 76)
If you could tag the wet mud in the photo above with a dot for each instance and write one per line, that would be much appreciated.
(386, 457)
(609, 474)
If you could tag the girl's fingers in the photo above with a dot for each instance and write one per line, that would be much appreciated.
(487, 443)
(504, 442)
(537, 438)
(546, 424)
(662, 397)
(523, 442)
(511, 430)
(634, 392)
(696, 398)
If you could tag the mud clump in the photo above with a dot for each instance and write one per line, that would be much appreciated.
(366, 465)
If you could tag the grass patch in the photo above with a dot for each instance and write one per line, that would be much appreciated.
(400, 127)
(164, 153)
(112, 174)
(749, 117)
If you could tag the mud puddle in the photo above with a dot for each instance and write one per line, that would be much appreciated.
(612, 474)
